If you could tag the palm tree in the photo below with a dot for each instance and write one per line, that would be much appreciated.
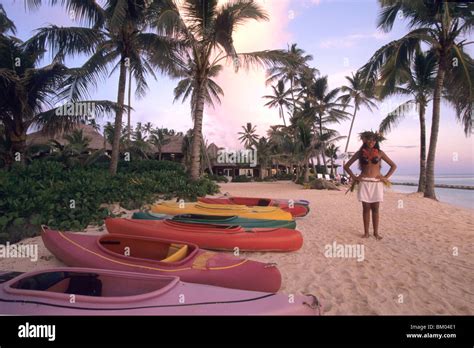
(29, 93)
(326, 109)
(206, 31)
(159, 138)
(280, 98)
(248, 136)
(331, 152)
(355, 92)
(418, 82)
(290, 72)
(442, 26)
(116, 36)
(263, 147)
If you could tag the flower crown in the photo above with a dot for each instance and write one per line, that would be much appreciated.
(371, 135)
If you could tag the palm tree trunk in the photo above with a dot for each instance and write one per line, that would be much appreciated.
(323, 145)
(197, 133)
(129, 129)
(429, 188)
(306, 171)
(422, 179)
(292, 95)
(349, 137)
(118, 118)
(312, 164)
(18, 141)
(282, 115)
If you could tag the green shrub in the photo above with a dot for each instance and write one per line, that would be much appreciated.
(47, 193)
(241, 178)
(218, 178)
(284, 176)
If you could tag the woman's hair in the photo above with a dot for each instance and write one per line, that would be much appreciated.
(364, 146)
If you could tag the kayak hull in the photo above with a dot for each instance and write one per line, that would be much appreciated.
(211, 236)
(295, 208)
(268, 213)
(134, 254)
(107, 292)
(218, 220)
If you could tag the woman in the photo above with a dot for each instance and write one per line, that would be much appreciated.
(370, 180)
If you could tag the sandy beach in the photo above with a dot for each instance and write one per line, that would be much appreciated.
(423, 266)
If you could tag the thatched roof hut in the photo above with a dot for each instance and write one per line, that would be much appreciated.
(96, 139)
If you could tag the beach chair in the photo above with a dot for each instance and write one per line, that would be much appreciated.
(319, 176)
(327, 177)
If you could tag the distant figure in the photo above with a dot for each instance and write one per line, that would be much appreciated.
(338, 178)
(371, 181)
(343, 180)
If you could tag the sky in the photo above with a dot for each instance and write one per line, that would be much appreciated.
(341, 35)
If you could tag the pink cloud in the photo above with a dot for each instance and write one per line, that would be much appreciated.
(243, 100)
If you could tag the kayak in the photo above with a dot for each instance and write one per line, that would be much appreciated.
(218, 237)
(173, 208)
(218, 220)
(107, 292)
(158, 256)
(296, 208)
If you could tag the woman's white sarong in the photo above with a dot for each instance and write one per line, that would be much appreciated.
(370, 190)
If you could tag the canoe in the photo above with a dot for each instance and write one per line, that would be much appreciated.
(158, 256)
(108, 292)
(173, 208)
(217, 237)
(218, 220)
(296, 208)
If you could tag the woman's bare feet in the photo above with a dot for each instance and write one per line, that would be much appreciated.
(377, 236)
(366, 235)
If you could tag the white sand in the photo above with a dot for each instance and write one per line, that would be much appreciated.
(411, 271)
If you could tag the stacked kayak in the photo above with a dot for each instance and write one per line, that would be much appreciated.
(217, 220)
(157, 256)
(209, 236)
(297, 208)
(108, 292)
(269, 213)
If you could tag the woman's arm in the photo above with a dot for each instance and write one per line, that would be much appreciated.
(392, 165)
(348, 164)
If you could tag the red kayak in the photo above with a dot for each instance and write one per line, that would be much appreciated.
(208, 236)
(158, 256)
(297, 208)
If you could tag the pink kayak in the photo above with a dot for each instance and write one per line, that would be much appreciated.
(107, 292)
(160, 256)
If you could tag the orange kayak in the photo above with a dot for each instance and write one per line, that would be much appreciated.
(208, 236)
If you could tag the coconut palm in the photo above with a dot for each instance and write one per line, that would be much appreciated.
(443, 27)
(420, 80)
(332, 152)
(356, 92)
(206, 31)
(29, 94)
(289, 72)
(326, 109)
(159, 138)
(248, 136)
(280, 99)
(116, 37)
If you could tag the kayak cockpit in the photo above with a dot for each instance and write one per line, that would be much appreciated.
(92, 284)
(144, 248)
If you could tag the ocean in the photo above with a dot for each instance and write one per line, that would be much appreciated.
(460, 198)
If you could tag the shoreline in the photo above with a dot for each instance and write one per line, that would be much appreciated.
(459, 187)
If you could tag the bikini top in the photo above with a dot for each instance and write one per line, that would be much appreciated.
(370, 155)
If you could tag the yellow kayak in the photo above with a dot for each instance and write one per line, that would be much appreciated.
(172, 208)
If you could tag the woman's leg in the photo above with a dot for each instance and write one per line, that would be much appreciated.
(366, 217)
(375, 218)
